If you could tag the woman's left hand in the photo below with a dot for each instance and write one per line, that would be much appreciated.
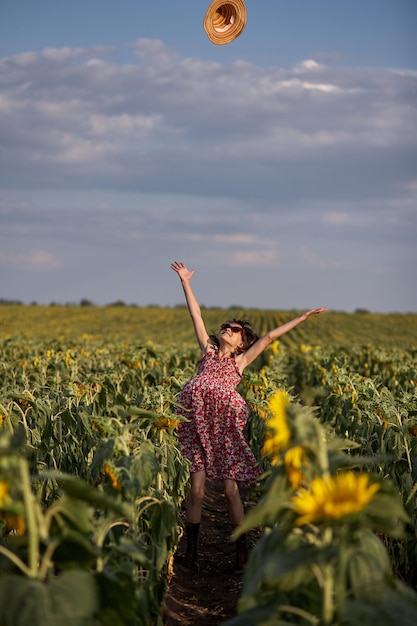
(313, 312)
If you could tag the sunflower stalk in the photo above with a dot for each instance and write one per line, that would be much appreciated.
(343, 557)
(406, 446)
(328, 582)
(31, 523)
(322, 453)
(15, 560)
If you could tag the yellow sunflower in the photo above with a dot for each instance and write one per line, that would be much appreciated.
(109, 472)
(333, 497)
(294, 461)
(14, 523)
(278, 434)
(4, 490)
(165, 422)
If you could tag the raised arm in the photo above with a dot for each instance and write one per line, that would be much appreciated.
(259, 346)
(192, 304)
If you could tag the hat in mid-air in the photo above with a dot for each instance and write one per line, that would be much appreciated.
(225, 20)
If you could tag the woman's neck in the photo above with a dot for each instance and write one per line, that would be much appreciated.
(224, 353)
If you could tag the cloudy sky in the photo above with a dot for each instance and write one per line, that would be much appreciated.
(282, 166)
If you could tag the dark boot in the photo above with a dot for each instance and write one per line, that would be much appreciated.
(241, 553)
(191, 533)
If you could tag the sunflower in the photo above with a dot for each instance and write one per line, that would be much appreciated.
(14, 523)
(278, 434)
(165, 422)
(109, 472)
(294, 461)
(4, 490)
(333, 497)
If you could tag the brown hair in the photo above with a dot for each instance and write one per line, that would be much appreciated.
(248, 335)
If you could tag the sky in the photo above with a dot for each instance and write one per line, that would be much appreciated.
(282, 167)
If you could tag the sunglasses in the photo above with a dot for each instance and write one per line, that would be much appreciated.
(234, 329)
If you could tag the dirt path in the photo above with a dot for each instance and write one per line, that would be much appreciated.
(209, 597)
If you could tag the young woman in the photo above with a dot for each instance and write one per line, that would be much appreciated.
(213, 437)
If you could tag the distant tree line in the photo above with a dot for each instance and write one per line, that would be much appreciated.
(82, 303)
(120, 303)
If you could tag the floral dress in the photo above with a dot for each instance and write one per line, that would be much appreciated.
(213, 439)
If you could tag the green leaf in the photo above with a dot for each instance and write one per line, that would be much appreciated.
(102, 453)
(24, 602)
(338, 443)
(133, 551)
(79, 489)
(74, 510)
(74, 597)
(368, 567)
(386, 512)
(119, 411)
(271, 505)
(396, 607)
(282, 562)
(135, 411)
(117, 593)
(67, 600)
(261, 616)
(145, 465)
(412, 493)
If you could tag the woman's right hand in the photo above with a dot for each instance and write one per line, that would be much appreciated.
(183, 272)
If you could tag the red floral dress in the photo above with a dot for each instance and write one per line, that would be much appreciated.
(213, 438)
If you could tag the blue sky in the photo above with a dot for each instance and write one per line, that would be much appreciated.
(281, 166)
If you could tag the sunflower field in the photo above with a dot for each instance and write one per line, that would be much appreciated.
(92, 478)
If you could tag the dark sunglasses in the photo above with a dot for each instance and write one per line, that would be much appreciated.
(234, 329)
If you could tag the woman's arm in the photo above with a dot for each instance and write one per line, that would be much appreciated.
(192, 304)
(263, 342)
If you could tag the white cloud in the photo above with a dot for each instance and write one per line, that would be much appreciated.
(294, 83)
(254, 258)
(34, 261)
(236, 238)
(155, 52)
(312, 258)
(337, 218)
(301, 169)
(308, 65)
(25, 59)
(124, 124)
(55, 55)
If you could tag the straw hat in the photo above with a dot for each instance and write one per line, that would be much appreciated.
(225, 20)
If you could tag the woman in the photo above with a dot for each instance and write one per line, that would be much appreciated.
(213, 438)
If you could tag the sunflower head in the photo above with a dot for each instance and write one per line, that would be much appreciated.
(278, 435)
(294, 461)
(333, 497)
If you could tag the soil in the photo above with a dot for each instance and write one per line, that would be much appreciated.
(208, 595)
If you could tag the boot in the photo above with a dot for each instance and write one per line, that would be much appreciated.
(241, 553)
(191, 533)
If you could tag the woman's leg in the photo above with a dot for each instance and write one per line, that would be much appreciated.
(194, 507)
(234, 502)
(236, 514)
(196, 496)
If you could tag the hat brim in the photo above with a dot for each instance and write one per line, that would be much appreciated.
(225, 20)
